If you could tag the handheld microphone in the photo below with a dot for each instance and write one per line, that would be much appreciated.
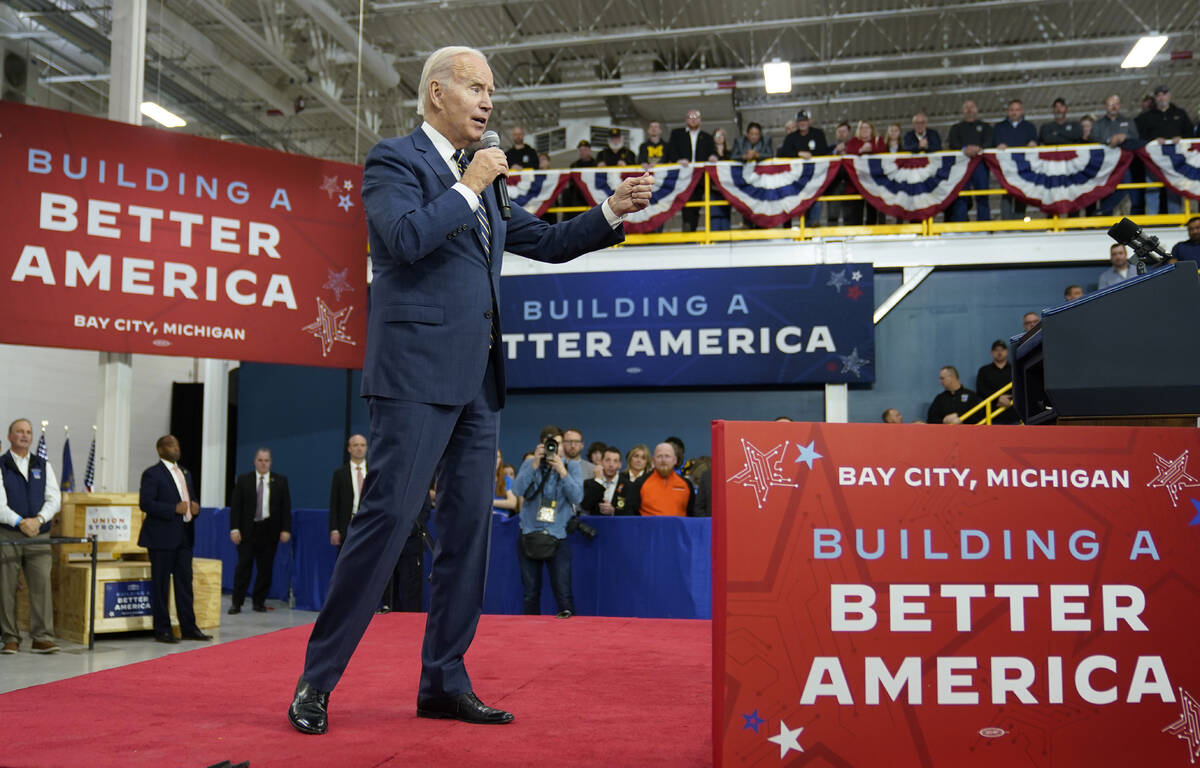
(500, 183)
(1126, 232)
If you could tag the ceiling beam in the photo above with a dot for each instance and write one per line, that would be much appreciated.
(377, 63)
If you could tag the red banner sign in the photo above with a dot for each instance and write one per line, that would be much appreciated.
(130, 239)
(954, 596)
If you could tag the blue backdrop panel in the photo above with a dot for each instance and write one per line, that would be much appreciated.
(212, 540)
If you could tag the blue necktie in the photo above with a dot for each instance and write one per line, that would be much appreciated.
(460, 159)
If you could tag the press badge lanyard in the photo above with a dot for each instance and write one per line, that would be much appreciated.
(546, 512)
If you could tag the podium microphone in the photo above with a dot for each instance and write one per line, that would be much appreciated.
(1126, 232)
(500, 183)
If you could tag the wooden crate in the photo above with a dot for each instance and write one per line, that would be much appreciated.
(72, 521)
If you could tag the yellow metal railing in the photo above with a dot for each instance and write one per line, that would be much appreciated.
(986, 406)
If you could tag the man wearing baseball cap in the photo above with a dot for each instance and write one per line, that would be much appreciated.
(1163, 122)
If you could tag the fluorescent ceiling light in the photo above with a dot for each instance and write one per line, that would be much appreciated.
(777, 77)
(162, 116)
(1144, 51)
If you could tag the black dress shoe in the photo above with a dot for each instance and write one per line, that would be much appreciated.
(260, 609)
(309, 712)
(166, 639)
(197, 635)
(466, 707)
(234, 610)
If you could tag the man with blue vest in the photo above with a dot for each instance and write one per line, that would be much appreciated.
(29, 499)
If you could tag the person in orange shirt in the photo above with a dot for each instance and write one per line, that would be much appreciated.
(662, 492)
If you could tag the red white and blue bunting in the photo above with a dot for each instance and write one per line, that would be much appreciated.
(535, 191)
(1059, 180)
(770, 193)
(1176, 164)
(910, 187)
(672, 186)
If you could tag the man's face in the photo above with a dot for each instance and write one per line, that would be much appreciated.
(20, 437)
(262, 462)
(692, 120)
(664, 459)
(843, 133)
(1029, 321)
(615, 142)
(1194, 230)
(585, 152)
(1000, 355)
(611, 464)
(1060, 111)
(1118, 257)
(357, 447)
(654, 131)
(572, 443)
(170, 449)
(1074, 292)
(1015, 112)
(1162, 100)
(543, 162)
(464, 102)
(948, 379)
(518, 136)
(753, 135)
(893, 417)
(1112, 106)
(970, 111)
(919, 123)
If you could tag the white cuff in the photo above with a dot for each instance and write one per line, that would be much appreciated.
(468, 195)
(612, 218)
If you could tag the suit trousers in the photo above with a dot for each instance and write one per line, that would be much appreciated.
(410, 441)
(35, 561)
(257, 551)
(167, 566)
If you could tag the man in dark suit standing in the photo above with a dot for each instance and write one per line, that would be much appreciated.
(167, 499)
(345, 490)
(259, 520)
(691, 145)
(433, 377)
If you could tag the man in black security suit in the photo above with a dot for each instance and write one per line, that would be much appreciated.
(260, 519)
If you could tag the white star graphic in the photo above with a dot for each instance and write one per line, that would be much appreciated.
(330, 326)
(855, 275)
(1173, 476)
(852, 363)
(344, 202)
(329, 185)
(763, 471)
(788, 739)
(837, 280)
(1187, 727)
(348, 185)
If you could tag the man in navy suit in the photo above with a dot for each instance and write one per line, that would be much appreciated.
(434, 378)
(167, 497)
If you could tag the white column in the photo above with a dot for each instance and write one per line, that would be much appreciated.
(215, 374)
(837, 403)
(115, 415)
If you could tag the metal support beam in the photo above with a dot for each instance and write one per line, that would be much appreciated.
(380, 65)
(837, 403)
(215, 430)
(913, 276)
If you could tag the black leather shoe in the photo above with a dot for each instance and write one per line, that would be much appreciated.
(309, 712)
(166, 639)
(260, 609)
(466, 707)
(197, 635)
(234, 610)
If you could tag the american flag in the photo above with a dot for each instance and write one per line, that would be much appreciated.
(42, 453)
(89, 475)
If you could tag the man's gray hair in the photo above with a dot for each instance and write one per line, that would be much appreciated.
(438, 67)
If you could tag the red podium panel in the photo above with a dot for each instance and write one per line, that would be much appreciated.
(920, 595)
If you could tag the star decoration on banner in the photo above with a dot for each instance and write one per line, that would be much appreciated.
(329, 185)
(1187, 727)
(856, 275)
(788, 739)
(837, 280)
(752, 721)
(338, 283)
(853, 363)
(348, 185)
(807, 454)
(344, 202)
(330, 326)
(1173, 476)
(854, 292)
(763, 471)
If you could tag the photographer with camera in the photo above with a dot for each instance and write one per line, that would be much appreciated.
(551, 486)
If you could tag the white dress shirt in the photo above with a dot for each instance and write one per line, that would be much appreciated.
(447, 150)
(51, 500)
(354, 483)
(179, 478)
(266, 482)
(609, 486)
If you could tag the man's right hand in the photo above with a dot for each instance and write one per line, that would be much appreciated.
(971, 150)
(335, 538)
(182, 508)
(485, 166)
(235, 537)
(606, 508)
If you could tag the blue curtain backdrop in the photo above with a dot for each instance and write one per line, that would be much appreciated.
(643, 567)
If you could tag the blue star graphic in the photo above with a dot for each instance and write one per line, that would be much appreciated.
(344, 202)
(1196, 519)
(752, 721)
(837, 280)
(808, 454)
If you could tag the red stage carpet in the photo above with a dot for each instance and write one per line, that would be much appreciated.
(585, 691)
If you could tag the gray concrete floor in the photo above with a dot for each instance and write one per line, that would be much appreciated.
(25, 668)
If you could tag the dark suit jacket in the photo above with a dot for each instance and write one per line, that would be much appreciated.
(679, 146)
(341, 499)
(432, 294)
(245, 504)
(162, 528)
(593, 494)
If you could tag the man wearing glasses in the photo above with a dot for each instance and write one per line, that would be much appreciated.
(573, 450)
